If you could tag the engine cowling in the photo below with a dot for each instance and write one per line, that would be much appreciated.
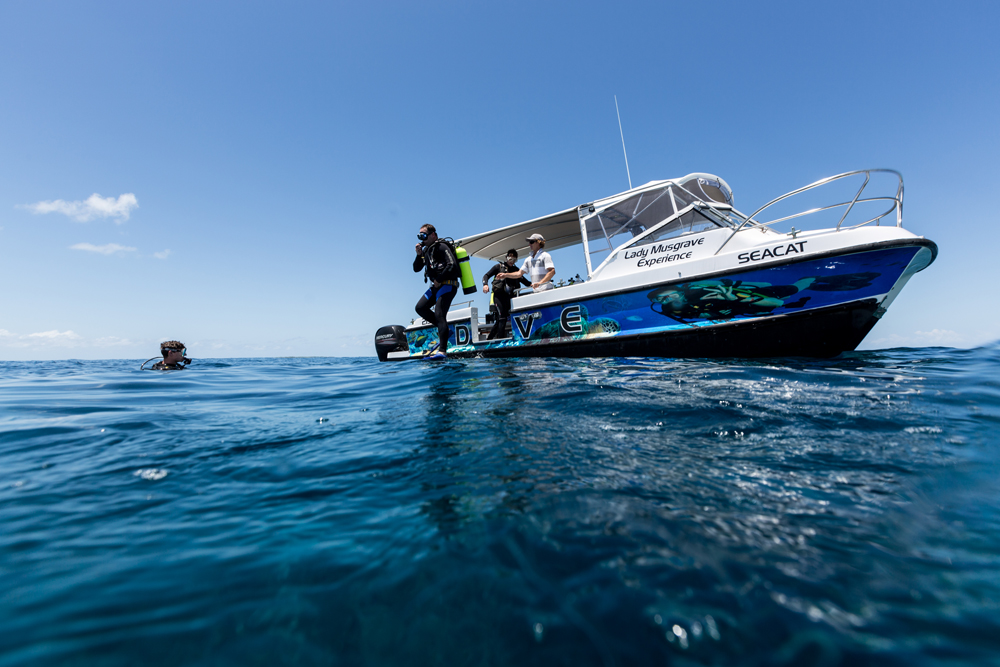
(391, 338)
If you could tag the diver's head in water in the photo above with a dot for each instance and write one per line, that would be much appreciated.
(174, 352)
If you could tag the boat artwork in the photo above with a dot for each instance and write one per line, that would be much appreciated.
(675, 270)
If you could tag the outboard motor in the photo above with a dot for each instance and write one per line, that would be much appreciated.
(388, 339)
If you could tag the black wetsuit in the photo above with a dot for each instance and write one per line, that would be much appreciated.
(440, 267)
(162, 366)
(503, 291)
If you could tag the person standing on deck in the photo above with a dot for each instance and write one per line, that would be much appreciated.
(503, 291)
(538, 266)
(440, 266)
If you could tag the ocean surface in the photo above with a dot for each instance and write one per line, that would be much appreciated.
(503, 512)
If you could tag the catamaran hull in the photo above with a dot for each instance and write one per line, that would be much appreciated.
(818, 306)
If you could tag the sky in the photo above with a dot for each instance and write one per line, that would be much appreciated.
(249, 177)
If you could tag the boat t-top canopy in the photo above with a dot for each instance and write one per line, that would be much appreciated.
(564, 228)
(560, 230)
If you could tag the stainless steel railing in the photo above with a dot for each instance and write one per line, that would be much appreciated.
(897, 204)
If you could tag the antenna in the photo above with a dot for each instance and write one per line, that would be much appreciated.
(623, 143)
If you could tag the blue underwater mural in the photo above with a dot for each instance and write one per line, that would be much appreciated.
(749, 294)
(425, 340)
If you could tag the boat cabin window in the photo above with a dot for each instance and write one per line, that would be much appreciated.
(627, 219)
(618, 223)
(691, 222)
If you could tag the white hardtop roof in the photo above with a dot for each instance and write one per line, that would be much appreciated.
(559, 230)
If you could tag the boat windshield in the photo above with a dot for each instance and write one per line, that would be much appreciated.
(691, 222)
(610, 227)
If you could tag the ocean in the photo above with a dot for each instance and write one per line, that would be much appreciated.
(326, 511)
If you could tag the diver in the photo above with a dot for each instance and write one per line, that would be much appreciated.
(503, 291)
(174, 357)
(437, 258)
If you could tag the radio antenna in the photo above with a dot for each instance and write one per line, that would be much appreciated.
(627, 173)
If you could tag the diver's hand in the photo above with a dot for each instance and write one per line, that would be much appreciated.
(721, 292)
(419, 248)
(486, 289)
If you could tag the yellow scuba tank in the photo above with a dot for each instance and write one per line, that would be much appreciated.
(468, 284)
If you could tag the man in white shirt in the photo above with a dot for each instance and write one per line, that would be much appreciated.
(537, 266)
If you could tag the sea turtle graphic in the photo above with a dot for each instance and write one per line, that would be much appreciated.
(601, 326)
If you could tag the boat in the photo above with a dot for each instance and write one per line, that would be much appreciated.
(675, 270)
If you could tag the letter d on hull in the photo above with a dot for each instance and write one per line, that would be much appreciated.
(462, 334)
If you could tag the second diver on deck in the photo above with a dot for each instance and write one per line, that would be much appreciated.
(503, 291)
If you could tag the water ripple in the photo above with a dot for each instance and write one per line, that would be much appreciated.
(610, 511)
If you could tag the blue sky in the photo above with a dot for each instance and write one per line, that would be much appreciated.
(281, 156)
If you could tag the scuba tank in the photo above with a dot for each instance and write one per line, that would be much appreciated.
(468, 284)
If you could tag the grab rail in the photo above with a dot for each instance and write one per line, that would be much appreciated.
(897, 203)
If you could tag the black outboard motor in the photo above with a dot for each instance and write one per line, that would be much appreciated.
(388, 339)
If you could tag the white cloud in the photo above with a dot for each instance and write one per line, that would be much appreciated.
(162, 255)
(113, 341)
(108, 249)
(40, 340)
(68, 344)
(940, 337)
(94, 206)
(56, 344)
(55, 335)
(935, 337)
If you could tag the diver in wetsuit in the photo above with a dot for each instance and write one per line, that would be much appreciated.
(503, 291)
(174, 356)
(440, 266)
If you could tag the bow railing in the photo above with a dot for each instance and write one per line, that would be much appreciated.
(897, 204)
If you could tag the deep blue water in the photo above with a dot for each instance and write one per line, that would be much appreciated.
(501, 512)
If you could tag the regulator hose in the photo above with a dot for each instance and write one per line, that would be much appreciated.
(186, 362)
